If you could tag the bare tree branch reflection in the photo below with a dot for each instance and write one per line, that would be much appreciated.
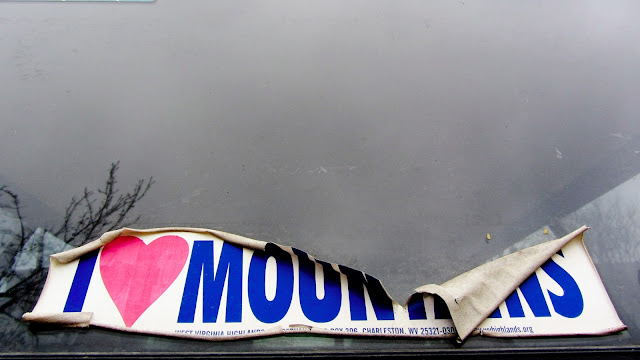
(87, 217)
(11, 248)
(24, 251)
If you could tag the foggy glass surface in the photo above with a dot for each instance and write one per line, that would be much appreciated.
(387, 136)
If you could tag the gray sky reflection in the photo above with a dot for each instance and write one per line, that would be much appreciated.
(391, 136)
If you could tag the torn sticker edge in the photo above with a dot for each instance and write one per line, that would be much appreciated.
(73, 254)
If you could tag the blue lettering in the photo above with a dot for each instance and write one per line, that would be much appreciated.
(440, 308)
(201, 266)
(80, 284)
(571, 303)
(532, 292)
(496, 314)
(416, 309)
(358, 281)
(327, 308)
(270, 311)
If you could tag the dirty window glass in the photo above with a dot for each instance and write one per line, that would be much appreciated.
(391, 137)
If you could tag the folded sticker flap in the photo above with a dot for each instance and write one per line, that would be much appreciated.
(474, 295)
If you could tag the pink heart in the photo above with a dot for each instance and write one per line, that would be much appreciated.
(136, 274)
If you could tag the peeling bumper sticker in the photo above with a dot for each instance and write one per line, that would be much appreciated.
(207, 284)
